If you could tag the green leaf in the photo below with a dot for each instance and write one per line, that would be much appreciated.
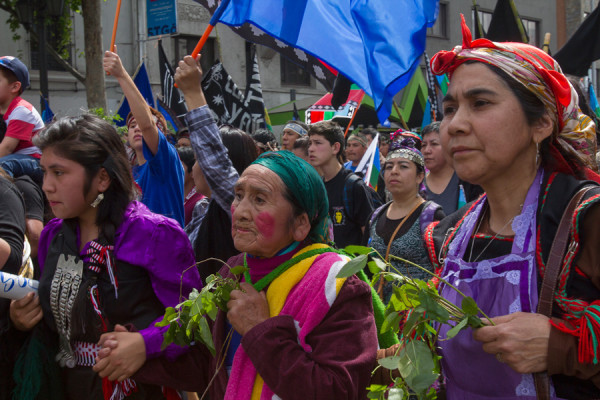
(412, 320)
(475, 322)
(353, 266)
(417, 365)
(395, 394)
(193, 294)
(391, 363)
(352, 249)
(391, 322)
(433, 309)
(457, 328)
(469, 306)
(238, 270)
(206, 335)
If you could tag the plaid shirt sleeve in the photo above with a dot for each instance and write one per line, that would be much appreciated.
(212, 156)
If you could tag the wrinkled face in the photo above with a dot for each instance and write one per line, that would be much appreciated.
(288, 138)
(401, 176)
(433, 155)
(355, 151)
(484, 132)
(320, 151)
(64, 182)
(261, 215)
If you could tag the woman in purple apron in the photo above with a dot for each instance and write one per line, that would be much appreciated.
(513, 126)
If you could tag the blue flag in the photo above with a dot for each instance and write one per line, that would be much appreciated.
(47, 114)
(142, 82)
(375, 43)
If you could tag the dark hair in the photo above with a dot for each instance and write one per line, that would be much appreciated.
(332, 132)
(432, 127)
(11, 77)
(186, 154)
(240, 147)
(370, 132)
(264, 136)
(94, 143)
(534, 110)
(302, 143)
(161, 122)
(183, 133)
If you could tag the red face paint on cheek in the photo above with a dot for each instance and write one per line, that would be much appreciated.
(265, 223)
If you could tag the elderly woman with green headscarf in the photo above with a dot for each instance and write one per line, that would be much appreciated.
(298, 331)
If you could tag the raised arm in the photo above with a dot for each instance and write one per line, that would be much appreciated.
(210, 152)
(139, 108)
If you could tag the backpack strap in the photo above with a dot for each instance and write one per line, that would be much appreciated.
(349, 183)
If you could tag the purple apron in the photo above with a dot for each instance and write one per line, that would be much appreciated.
(500, 286)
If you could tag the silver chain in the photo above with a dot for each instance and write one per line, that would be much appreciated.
(63, 292)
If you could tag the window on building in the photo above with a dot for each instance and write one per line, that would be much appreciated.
(293, 74)
(531, 26)
(440, 28)
(54, 40)
(533, 31)
(185, 44)
(485, 17)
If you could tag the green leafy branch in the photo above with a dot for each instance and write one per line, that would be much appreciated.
(413, 312)
(188, 320)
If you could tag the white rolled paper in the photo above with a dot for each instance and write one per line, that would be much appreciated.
(16, 287)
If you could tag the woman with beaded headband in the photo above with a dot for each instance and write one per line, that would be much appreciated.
(396, 228)
(106, 262)
(512, 125)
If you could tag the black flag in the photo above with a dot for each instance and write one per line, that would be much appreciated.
(253, 99)
(506, 24)
(227, 100)
(170, 94)
(582, 48)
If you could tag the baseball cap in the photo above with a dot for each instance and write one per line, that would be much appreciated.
(18, 68)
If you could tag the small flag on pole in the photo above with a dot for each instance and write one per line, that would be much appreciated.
(370, 164)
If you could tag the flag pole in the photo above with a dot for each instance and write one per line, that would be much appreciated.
(546, 45)
(211, 24)
(400, 115)
(213, 21)
(115, 24)
(351, 120)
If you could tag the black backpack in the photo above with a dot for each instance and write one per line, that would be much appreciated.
(350, 181)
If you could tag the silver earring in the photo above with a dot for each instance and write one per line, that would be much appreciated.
(537, 153)
(98, 200)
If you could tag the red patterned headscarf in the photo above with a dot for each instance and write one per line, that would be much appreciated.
(574, 143)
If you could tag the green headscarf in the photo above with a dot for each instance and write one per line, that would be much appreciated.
(305, 185)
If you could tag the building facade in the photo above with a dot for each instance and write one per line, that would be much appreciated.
(282, 81)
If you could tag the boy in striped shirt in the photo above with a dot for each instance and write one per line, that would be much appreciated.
(18, 155)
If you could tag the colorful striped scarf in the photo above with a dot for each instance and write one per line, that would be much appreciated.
(306, 291)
